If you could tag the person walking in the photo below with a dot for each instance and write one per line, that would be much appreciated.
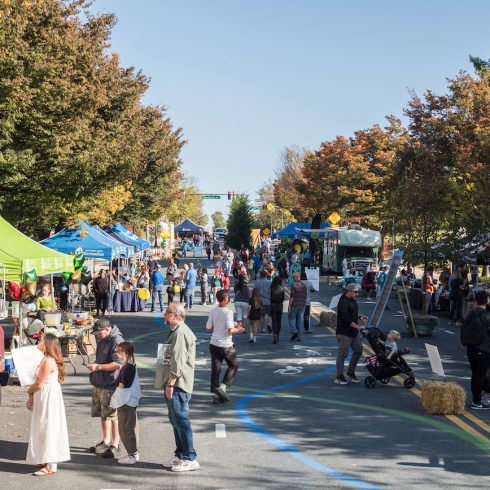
(171, 271)
(348, 333)
(203, 283)
(309, 289)
(190, 286)
(104, 384)
(456, 287)
(475, 336)
(221, 346)
(157, 282)
(216, 284)
(296, 308)
(101, 292)
(254, 314)
(276, 307)
(125, 400)
(176, 377)
(242, 298)
(264, 286)
(48, 438)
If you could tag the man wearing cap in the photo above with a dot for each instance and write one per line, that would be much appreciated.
(104, 384)
(348, 333)
(176, 376)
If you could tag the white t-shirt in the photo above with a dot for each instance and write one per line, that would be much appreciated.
(220, 320)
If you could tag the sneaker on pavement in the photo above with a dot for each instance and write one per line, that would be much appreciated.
(171, 462)
(129, 459)
(340, 380)
(99, 448)
(480, 406)
(353, 378)
(186, 465)
(111, 452)
(222, 393)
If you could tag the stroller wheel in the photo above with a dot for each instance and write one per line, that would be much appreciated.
(409, 383)
(385, 381)
(370, 382)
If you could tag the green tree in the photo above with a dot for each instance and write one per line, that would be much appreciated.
(186, 202)
(240, 221)
(279, 217)
(218, 219)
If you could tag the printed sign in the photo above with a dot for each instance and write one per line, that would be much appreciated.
(164, 354)
(435, 359)
(313, 275)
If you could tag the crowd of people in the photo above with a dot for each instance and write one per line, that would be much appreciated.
(258, 307)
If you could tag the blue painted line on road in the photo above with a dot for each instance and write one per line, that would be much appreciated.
(244, 417)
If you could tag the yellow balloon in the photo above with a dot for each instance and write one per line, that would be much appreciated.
(143, 294)
(77, 275)
(297, 248)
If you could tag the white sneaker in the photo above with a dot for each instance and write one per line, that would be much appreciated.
(129, 459)
(171, 462)
(186, 465)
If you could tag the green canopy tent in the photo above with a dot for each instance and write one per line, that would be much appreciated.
(18, 253)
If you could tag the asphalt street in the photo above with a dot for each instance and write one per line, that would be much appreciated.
(286, 426)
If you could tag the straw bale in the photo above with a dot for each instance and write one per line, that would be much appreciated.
(440, 398)
(328, 318)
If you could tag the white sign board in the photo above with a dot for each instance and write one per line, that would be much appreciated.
(334, 301)
(435, 359)
(313, 275)
(26, 360)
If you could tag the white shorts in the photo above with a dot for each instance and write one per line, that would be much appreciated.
(241, 309)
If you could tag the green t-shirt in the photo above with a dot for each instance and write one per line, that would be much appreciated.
(45, 304)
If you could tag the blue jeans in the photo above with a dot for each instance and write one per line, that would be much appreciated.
(189, 296)
(296, 320)
(178, 415)
(157, 290)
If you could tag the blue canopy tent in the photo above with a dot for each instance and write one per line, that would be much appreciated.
(84, 239)
(129, 249)
(187, 226)
(128, 237)
(291, 230)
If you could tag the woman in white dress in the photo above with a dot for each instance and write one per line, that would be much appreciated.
(48, 440)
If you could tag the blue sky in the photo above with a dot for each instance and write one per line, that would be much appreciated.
(245, 78)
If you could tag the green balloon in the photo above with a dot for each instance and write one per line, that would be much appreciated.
(78, 262)
(66, 277)
(30, 276)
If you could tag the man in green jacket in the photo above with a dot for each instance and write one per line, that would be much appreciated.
(176, 376)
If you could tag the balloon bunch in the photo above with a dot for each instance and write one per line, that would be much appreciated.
(76, 276)
(29, 286)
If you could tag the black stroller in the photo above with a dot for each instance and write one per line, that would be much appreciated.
(383, 369)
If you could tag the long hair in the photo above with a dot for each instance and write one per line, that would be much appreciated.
(256, 298)
(53, 349)
(128, 349)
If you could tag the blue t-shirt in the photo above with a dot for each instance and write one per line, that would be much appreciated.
(256, 260)
(191, 278)
(157, 278)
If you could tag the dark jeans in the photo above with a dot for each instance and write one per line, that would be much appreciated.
(456, 309)
(178, 415)
(276, 316)
(218, 355)
(346, 343)
(157, 290)
(306, 322)
(101, 302)
(189, 296)
(479, 364)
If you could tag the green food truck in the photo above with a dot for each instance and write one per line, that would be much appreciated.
(359, 246)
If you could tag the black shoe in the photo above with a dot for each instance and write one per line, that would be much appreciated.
(110, 453)
(353, 378)
(269, 328)
(298, 339)
(294, 337)
(308, 331)
(217, 400)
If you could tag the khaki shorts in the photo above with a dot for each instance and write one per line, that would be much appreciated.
(101, 399)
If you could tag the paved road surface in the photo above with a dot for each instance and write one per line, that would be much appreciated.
(287, 425)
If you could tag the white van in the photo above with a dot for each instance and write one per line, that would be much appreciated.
(220, 233)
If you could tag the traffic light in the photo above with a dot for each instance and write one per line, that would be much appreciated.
(229, 196)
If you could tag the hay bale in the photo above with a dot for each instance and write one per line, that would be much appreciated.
(443, 398)
(328, 318)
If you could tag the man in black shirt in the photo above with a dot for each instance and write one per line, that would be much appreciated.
(348, 333)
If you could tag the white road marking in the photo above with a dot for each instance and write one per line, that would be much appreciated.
(201, 362)
(449, 332)
(220, 431)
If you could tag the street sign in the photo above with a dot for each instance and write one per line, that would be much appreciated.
(270, 207)
(211, 197)
(334, 218)
(266, 232)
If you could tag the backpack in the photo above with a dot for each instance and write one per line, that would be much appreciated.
(473, 330)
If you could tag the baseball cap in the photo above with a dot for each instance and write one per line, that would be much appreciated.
(353, 286)
(101, 324)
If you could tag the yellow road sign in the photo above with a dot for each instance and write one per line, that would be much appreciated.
(270, 207)
(334, 218)
(266, 232)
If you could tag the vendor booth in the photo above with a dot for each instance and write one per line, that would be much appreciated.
(185, 231)
(293, 230)
(128, 237)
(128, 249)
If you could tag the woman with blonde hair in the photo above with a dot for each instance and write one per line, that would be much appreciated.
(48, 439)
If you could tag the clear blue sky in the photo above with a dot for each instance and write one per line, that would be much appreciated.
(245, 78)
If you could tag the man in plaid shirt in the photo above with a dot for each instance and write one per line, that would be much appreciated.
(296, 308)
